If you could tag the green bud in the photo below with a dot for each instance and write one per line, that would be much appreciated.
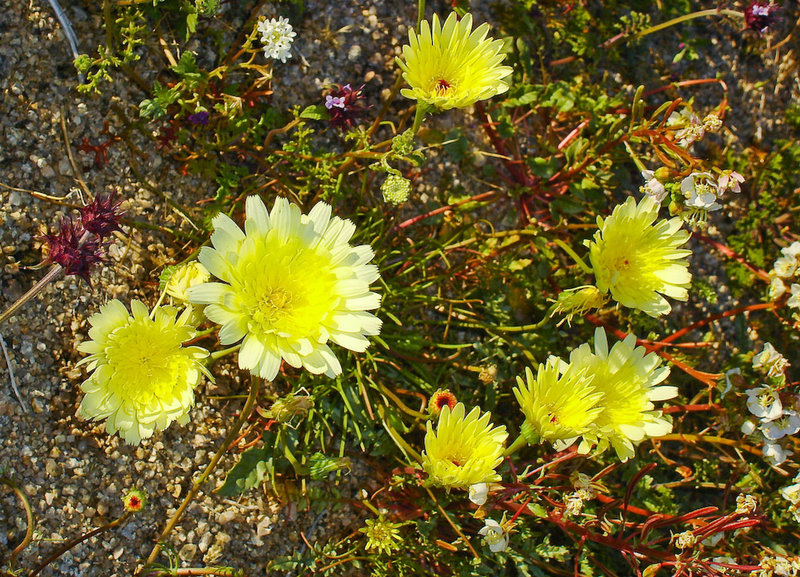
(396, 189)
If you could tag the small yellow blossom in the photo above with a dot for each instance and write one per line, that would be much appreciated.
(143, 378)
(134, 501)
(636, 257)
(464, 449)
(184, 277)
(382, 535)
(451, 67)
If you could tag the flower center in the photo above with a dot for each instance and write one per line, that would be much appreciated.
(443, 87)
(273, 306)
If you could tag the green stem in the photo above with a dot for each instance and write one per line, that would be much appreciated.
(77, 541)
(516, 446)
(219, 354)
(420, 12)
(229, 438)
(687, 17)
(578, 260)
(419, 116)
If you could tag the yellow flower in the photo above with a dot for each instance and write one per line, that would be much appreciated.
(464, 450)
(382, 535)
(627, 379)
(143, 378)
(636, 258)
(291, 283)
(184, 277)
(559, 405)
(449, 67)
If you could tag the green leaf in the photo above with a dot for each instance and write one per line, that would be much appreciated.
(315, 112)
(249, 472)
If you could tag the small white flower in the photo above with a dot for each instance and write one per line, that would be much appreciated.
(776, 288)
(771, 360)
(748, 427)
(334, 101)
(685, 540)
(785, 266)
(478, 493)
(764, 403)
(699, 189)
(494, 535)
(729, 382)
(746, 504)
(786, 424)
(775, 454)
(652, 186)
(791, 493)
(277, 37)
(729, 180)
(792, 250)
(691, 129)
(574, 504)
(794, 300)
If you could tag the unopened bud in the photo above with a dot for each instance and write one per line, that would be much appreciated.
(396, 189)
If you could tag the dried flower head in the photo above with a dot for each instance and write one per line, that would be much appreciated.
(760, 15)
(636, 257)
(134, 500)
(277, 36)
(464, 449)
(101, 216)
(344, 106)
(314, 290)
(74, 249)
(451, 67)
(143, 378)
(439, 400)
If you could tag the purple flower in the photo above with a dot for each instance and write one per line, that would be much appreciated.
(760, 15)
(101, 216)
(72, 251)
(199, 118)
(344, 107)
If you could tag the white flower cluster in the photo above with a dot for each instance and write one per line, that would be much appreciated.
(785, 270)
(701, 190)
(583, 492)
(764, 402)
(277, 36)
(688, 127)
(792, 494)
(779, 567)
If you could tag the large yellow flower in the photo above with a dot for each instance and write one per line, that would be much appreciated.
(464, 450)
(143, 378)
(559, 404)
(635, 258)
(449, 67)
(627, 379)
(291, 283)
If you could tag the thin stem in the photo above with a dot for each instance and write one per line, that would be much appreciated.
(515, 446)
(32, 292)
(420, 12)
(419, 116)
(219, 354)
(77, 541)
(578, 260)
(28, 517)
(232, 434)
(687, 17)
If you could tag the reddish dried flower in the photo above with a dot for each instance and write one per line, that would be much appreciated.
(760, 15)
(101, 216)
(439, 400)
(67, 250)
(344, 107)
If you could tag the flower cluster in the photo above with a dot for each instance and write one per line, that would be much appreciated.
(786, 270)
(760, 15)
(584, 491)
(701, 191)
(450, 66)
(777, 419)
(142, 377)
(637, 258)
(277, 36)
(604, 396)
(779, 566)
(344, 106)
(315, 289)
(464, 449)
(687, 125)
(792, 494)
(78, 245)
